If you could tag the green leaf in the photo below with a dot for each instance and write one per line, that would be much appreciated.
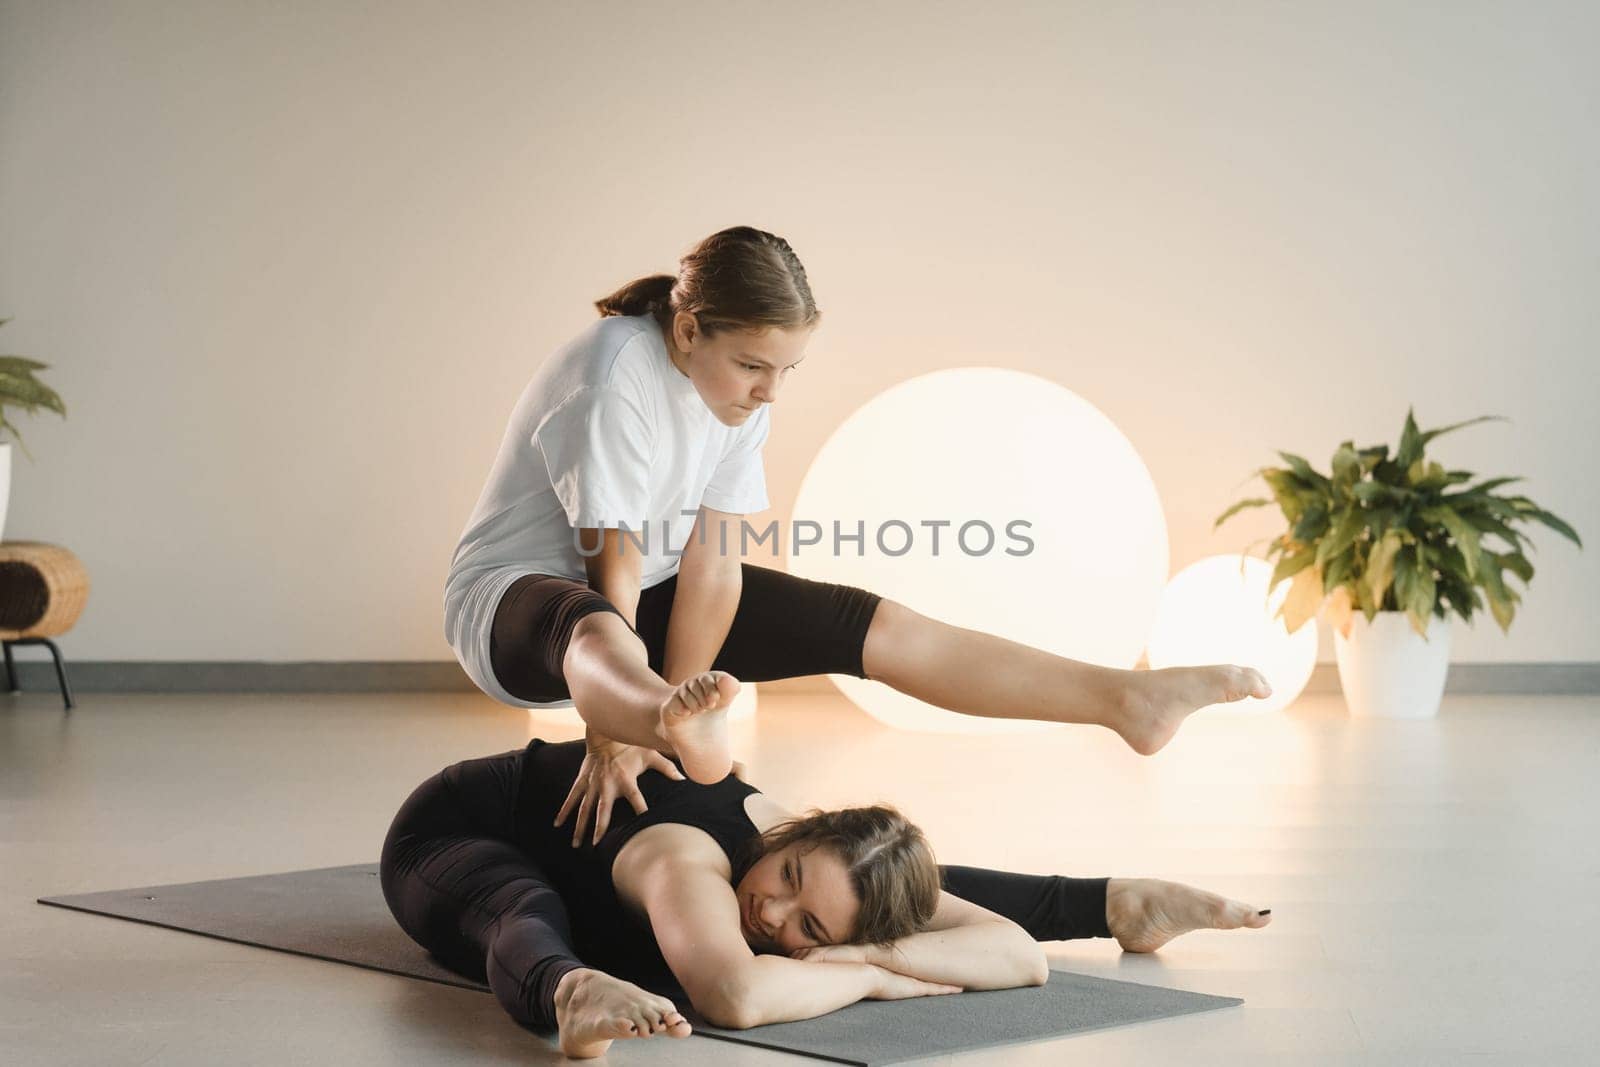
(1414, 590)
(1410, 443)
(1501, 506)
(1338, 570)
(1309, 478)
(1291, 565)
(1489, 524)
(1405, 578)
(28, 393)
(1426, 474)
(1462, 532)
(1346, 467)
(1313, 523)
(1376, 493)
(1253, 502)
(1380, 565)
(20, 365)
(1431, 434)
(1558, 525)
(1517, 564)
(1482, 488)
(1501, 600)
(1285, 490)
(1343, 536)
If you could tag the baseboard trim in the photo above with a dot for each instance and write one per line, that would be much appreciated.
(445, 676)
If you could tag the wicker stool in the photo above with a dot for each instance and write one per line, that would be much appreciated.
(42, 591)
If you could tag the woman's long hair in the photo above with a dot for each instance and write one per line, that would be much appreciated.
(890, 862)
(740, 278)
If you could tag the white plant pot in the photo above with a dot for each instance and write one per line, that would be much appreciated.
(5, 485)
(1386, 669)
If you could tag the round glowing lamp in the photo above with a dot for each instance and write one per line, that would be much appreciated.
(992, 500)
(1213, 613)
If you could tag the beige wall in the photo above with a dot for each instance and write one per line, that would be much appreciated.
(292, 268)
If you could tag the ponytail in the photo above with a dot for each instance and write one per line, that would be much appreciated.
(740, 278)
(646, 295)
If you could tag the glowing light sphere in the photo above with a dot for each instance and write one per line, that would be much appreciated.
(1054, 535)
(1210, 613)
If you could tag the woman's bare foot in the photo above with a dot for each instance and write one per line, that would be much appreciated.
(1157, 702)
(593, 1009)
(1146, 913)
(694, 720)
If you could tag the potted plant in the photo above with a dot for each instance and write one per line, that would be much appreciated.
(19, 388)
(1387, 548)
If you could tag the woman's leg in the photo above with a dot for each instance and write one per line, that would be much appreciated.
(484, 908)
(1050, 907)
(1141, 913)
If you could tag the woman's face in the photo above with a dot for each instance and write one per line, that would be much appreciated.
(736, 371)
(791, 899)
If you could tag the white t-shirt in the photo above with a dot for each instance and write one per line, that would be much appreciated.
(608, 433)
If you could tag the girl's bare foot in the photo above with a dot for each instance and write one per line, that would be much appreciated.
(1157, 702)
(694, 720)
(593, 1009)
(1146, 913)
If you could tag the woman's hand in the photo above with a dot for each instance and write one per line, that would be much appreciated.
(891, 984)
(610, 769)
(895, 986)
(835, 954)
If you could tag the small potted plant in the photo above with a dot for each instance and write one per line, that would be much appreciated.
(19, 388)
(1387, 548)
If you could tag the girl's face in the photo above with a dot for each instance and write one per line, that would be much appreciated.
(791, 899)
(736, 371)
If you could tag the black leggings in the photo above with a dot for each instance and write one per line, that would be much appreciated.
(784, 627)
(461, 887)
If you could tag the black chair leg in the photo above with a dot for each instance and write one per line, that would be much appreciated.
(55, 653)
(61, 672)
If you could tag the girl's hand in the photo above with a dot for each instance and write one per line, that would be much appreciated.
(895, 986)
(833, 954)
(610, 769)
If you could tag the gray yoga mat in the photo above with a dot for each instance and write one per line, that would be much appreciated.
(339, 914)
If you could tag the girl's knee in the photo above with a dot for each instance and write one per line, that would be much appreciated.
(601, 625)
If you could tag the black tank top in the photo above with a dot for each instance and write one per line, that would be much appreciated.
(604, 933)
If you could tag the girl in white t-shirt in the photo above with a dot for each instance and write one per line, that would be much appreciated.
(592, 570)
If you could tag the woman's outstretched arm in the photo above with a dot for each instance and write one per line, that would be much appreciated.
(695, 918)
(964, 945)
(710, 581)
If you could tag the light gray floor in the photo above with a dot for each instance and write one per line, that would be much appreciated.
(1435, 885)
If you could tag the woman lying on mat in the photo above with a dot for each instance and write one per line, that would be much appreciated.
(757, 916)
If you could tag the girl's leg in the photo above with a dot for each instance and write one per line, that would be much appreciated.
(555, 639)
(784, 626)
(980, 674)
(787, 626)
